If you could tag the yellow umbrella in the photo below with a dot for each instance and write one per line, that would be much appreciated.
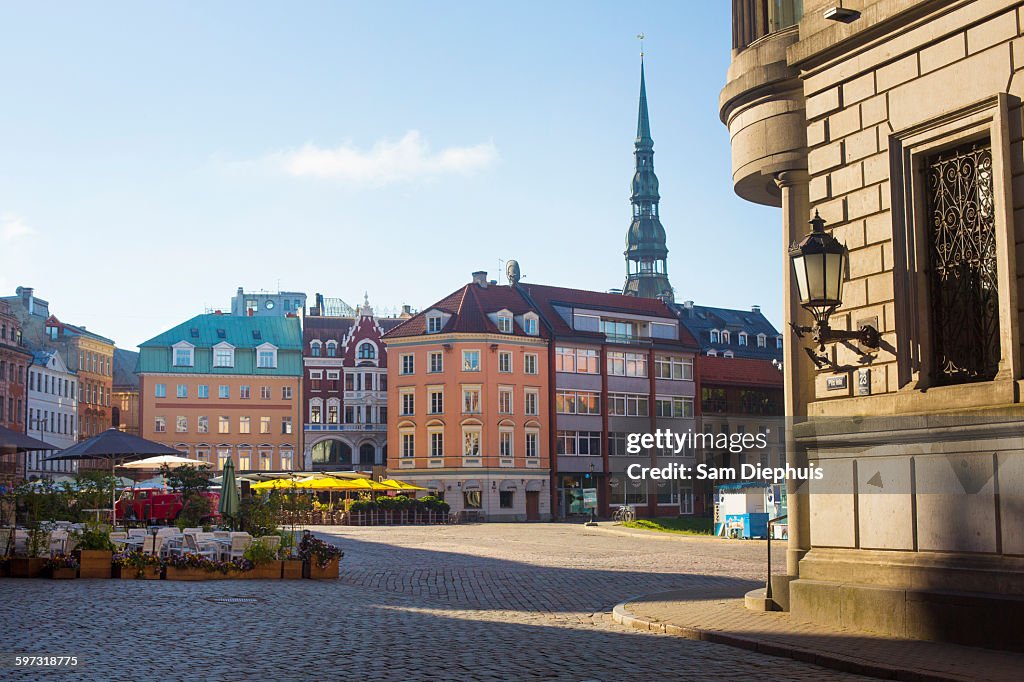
(329, 483)
(275, 484)
(400, 485)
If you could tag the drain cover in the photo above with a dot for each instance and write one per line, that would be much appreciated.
(234, 600)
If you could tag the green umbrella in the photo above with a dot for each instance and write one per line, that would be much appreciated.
(229, 492)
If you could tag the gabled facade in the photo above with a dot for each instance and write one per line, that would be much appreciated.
(345, 407)
(469, 417)
(125, 410)
(223, 386)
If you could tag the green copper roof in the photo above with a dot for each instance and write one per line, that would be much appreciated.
(244, 333)
(643, 123)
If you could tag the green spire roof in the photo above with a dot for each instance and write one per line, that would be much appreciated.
(643, 123)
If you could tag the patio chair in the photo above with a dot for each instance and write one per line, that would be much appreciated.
(191, 545)
(153, 544)
(192, 530)
(237, 548)
(225, 534)
(271, 542)
(71, 543)
(118, 535)
(137, 532)
(58, 538)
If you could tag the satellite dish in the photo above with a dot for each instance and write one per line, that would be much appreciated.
(512, 272)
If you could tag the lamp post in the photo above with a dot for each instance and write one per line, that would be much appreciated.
(819, 262)
(593, 483)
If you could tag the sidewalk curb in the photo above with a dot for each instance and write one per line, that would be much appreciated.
(659, 535)
(622, 616)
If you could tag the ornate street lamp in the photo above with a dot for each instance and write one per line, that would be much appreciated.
(819, 262)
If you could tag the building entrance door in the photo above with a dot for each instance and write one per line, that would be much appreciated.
(532, 505)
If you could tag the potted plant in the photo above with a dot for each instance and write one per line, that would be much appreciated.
(320, 559)
(62, 566)
(136, 565)
(265, 564)
(291, 565)
(32, 564)
(95, 552)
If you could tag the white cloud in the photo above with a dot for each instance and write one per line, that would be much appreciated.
(387, 162)
(13, 227)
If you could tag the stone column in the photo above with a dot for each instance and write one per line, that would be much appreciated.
(798, 376)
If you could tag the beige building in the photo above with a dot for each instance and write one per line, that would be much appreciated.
(899, 121)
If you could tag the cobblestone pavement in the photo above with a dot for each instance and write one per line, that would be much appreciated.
(474, 602)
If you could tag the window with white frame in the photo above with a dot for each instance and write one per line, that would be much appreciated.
(628, 405)
(184, 355)
(182, 391)
(470, 361)
(471, 441)
(578, 443)
(529, 363)
(778, 342)
(244, 460)
(286, 425)
(436, 400)
(408, 444)
(725, 336)
(181, 424)
(266, 460)
(366, 351)
(577, 402)
(203, 425)
(435, 361)
(160, 390)
(243, 392)
(203, 391)
(471, 400)
(505, 400)
(532, 399)
(762, 340)
(160, 424)
(673, 367)
(434, 324)
(264, 424)
(223, 355)
(408, 402)
(505, 362)
(287, 459)
(728, 354)
(406, 363)
(315, 411)
(314, 348)
(530, 324)
(244, 425)
(715, 336)
(505, 444)
(266, 357)
(505, 322)
(223, 455)
(223, 424)
(743, 338)
(286, 393)
(437, 443)
(532, 443)
(332, 349)
(673, 406)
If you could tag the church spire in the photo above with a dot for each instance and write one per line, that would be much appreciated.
(646, 253)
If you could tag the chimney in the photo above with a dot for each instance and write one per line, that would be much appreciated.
(480, 278)
(27, 298)
(688, 305)
(240, 291)
(406, 311)
(755, 308)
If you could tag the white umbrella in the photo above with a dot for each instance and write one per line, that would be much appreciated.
(172, 461)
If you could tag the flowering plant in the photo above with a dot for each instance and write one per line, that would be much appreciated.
(137, 559)
(62, 561)
(324, 553)
(212, 565)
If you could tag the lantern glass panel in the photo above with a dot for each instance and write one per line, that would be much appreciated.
(801, 277)
(815, 264)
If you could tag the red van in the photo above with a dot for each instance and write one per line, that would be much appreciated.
(156, 505)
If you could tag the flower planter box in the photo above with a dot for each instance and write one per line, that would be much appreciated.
(329, 572)
(64, 573)
(27, 567)
(94, 563)
(268, 571)
(292, 569)
(132, 573)
(175, 573)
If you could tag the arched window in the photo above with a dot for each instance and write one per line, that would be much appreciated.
(725, 337)
(314, 349)
(366, 351)
(332, 452)
(332, 349)
(367, 453)
(714, 335)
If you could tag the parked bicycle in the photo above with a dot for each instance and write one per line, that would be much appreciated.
(624, 514)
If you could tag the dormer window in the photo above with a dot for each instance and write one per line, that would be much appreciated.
(366, 351)
(183, 354)
(727, 354)
(712, 353)
(504, 322)
(332, 349)
(743, 338)
(778, 342)
(762, 341)
(530, 324)
(223, 355)
(434, 324)
(266, 356)
(314, 349)
(725, 337)
(715, 337)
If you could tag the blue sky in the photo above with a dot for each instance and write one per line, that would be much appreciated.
(154, 157)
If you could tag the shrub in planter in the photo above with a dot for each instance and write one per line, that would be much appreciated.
(264, 560)
(320, 559)
(136, 565)
(62, 566)
(95, 552)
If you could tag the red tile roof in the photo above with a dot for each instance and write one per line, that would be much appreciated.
(738, 371)
(468, 308)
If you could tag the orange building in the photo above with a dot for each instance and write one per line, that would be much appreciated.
(468, 405)
(219, 387)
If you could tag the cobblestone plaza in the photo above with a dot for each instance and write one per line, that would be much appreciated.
(473, 602)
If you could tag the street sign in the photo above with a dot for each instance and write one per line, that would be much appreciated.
(590, 498)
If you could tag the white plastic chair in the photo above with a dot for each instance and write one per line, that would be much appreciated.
(237, 548)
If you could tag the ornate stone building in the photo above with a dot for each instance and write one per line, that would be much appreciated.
(900, 121)
(345, 403)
